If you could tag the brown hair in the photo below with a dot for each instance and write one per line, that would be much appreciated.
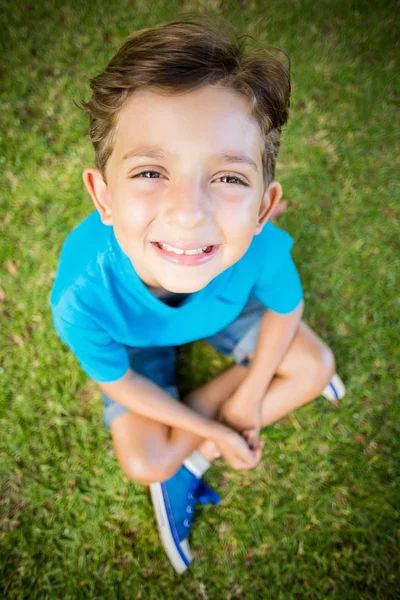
(181, 55)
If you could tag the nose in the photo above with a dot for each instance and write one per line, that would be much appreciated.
(187, 205)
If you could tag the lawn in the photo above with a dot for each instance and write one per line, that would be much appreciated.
(317, 518)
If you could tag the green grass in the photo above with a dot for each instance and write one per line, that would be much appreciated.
(317, 518)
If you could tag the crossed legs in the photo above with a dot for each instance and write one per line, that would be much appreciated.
(150, 451)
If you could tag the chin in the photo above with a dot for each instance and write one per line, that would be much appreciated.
(183, 286)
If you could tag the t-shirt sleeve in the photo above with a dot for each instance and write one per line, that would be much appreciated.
(278, 286)
(102, 359)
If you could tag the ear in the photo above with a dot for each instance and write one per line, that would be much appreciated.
(271, 197)
(98, 190)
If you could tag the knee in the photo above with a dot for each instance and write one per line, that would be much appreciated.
(144, 470)
(319, 367)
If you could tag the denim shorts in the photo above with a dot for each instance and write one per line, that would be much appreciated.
(158, 363)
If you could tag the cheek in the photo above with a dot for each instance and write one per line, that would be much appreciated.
(240, 218)
(239, 228)
(132, 214)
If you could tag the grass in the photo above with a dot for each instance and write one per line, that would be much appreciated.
(318, 517)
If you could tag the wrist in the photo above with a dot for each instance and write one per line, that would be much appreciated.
(216, 430)
(253, 389)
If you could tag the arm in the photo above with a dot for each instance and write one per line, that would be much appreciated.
(144, 397)
(243, 410)
(102, 358)
(276, 334)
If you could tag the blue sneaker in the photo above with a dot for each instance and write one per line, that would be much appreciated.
(174, 504)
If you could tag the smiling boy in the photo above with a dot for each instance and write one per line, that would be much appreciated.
(186, 128)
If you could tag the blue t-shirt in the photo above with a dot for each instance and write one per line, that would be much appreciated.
(100, 304)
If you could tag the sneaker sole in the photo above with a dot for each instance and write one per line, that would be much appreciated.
(169, 538)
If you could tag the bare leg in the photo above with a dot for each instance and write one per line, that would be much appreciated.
(302, 375)
(304, 372)
(206, 400)
(151, 451)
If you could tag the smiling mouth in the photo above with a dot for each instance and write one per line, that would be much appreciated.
(193, 257)
(180, 251)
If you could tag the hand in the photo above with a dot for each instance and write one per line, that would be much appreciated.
(242, 414)
(235, 449)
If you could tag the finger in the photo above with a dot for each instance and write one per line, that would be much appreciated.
(246, 435)
(254, 441)
(257, 452)
(250, 436)
(245, 457)
(256, 457)
(253, 464)
(241, 459)
(243, 451)
(238, 464)
(247, 432)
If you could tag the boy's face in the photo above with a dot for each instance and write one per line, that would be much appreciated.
(193, 197)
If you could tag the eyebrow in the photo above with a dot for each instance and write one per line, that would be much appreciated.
(226, 157)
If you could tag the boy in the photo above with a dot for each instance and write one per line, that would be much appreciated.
(186, 129)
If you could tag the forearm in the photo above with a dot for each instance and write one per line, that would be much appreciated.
(276, 334)
(207, 400)
(140, 395)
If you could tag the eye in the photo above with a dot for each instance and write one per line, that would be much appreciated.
(241, 181)
(144, 173)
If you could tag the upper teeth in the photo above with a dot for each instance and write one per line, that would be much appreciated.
(179, 251)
